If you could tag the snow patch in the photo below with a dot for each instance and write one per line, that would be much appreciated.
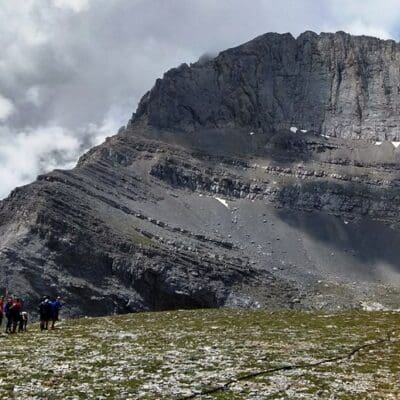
(326, 136)
(303, 130)
(259, 166)
(346, 222)
(251, 133)
(395, 144)
(293, 129)
(222, 201)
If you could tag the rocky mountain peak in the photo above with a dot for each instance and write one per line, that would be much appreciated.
(334, 84)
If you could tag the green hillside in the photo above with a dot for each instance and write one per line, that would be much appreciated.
(227, 354)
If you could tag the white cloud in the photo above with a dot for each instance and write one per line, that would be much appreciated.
(366, 17)
(6, 108)
(113, 120)
(361, 28)
(26, 154)
(29, 153)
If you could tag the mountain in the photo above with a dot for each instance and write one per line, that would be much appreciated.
(267, 176)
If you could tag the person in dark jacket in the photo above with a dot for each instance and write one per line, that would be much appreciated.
(16, 309)
(1, 310)
(44, 313)
(8, 314)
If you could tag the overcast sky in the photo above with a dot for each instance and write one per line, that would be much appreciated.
(73, 71)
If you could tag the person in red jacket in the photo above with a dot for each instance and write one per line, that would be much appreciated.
(1, 310)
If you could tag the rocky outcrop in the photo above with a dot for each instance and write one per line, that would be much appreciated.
(254, 179)
(89, 235)
(335, 84)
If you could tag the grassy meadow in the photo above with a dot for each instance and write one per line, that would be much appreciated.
(207, 354)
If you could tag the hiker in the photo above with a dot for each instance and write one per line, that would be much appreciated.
(16, 309)
(22, 318)
(1, 310)
(55, 311)
(23, 322)
(45, 313)
(8, 314)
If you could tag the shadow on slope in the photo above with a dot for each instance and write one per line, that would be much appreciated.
(360, 247)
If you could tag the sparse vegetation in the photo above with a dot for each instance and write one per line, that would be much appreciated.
(174, 355)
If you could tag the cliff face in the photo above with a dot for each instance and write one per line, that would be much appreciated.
(335, 84)
(255, 179)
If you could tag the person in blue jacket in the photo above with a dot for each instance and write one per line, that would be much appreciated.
(55, 311)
